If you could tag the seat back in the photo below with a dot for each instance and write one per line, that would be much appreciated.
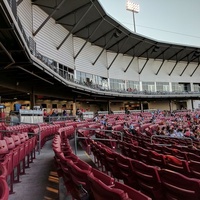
(148, 179)
(193, 157)
(157, 159)
(16, 139)
(177, 165)
(132, 193)
(3, 147)
(178, 186)
(109, 181)
(194, 167)
(4, 189)
(101, 191)
(10, 142)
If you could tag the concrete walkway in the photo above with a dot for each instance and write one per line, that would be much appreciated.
(40, 181)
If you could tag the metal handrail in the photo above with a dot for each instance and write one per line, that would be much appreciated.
(94, 129)
(165, 136)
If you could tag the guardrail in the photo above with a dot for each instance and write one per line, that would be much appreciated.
(98, 139)
(164, 136)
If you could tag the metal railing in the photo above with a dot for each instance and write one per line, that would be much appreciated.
(76, 137)
(169, 137)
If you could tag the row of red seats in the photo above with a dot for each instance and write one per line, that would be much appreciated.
(175, 142)
(13, 153)
(157, 183)
(46, 132)
(97, 184)
(176, 162)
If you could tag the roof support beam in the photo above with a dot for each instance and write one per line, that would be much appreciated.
(195, 69)
(118, 50)
(173, 68)
(126, 37)
(19, 1)
(103, 35)
(113, 61)
(160, 66)
(99, 19)
(105, 46)
(8, 54)
(133, 47)
(147, 50)
(144, 65)
(187, 55)
(47, 19)
(74, 27)
(32, 73)
(72, 12)
(129, 64)
(162, 53)
(88, 39)
(175, 54)
(184, 68)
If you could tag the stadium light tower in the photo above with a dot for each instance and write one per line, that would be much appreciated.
(134, 8)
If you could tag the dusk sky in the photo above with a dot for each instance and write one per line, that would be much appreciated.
(173, 21)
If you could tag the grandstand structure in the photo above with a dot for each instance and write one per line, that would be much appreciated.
(75, 51)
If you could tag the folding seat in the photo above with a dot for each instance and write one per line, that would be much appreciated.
(78, 172)
(110, 159)
(148, 179)
(177, 165)
(101, 191)
(4, 189)
(157, 159)
(125, 169)
(105, 166)
(3, 148)
(168, 151)
(12, 146)
(158, 148)
(143, 155)
(106, 179)
(193, 157)
(125, 148)
(96, 153)
(194, 167)
(181, 155)
(7, 163)
(134, 152)
(132, 193)
(178, 186)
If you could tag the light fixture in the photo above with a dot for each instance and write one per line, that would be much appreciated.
(117, 33)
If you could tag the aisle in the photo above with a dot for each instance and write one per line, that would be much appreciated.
(40, 181)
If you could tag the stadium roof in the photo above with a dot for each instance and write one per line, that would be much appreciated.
(88, 20)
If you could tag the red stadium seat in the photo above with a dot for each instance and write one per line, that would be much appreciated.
(178, 186)
(148, 179)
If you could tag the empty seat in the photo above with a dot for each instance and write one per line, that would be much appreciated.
(4, 189)
(125, 170)
(193, 157)
(177, 165)
(101, 191)
(157, 159)
(132, 193)
(178, 186)
(148, 179)
(194, 167)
